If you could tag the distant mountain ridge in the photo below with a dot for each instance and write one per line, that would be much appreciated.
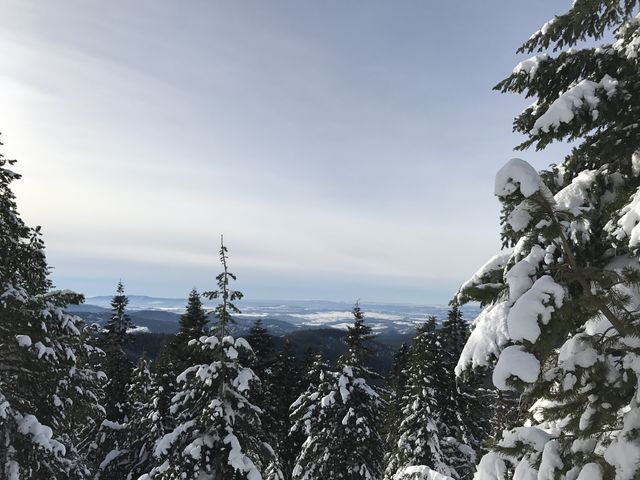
(162, 315)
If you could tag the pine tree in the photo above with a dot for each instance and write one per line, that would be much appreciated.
(462, 415)
(177, 355)
(420, 435)
(164, 371)
(561, 315)
(117, 365)
(285, 387)
(127, 447)
(132, 445)
(193, 324)
(263, 347)
(343, 441)
(396, 390)
(310, 414)
(261, 359)
(218, 429)
(49, 394)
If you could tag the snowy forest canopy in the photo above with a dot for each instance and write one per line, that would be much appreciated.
(542, 385)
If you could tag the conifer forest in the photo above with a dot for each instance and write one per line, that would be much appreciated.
(544, 383)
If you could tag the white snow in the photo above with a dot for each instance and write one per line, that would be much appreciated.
(44, 350)
(488, 336)
(491, 467)
(419, 472)
(576, 197)
(591, 471)
(497, 262)
(627, 224)
(551, 460)
(166, 442)
(243, 344)
(520, 276)
(516, 175)
(137, 330)
(239, 460)
(110, 457)
(40, 434)
(520, 218)
(23, 340)
(577, 351)
(515, 361)
(241, 382)
(530, 65)
(536, 304)
(564, 108)
(624, 453)
(534, 436)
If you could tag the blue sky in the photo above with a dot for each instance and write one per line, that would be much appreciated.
(345, 149)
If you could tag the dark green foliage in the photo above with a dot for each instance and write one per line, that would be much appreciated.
(218, 431)
(579, 238)
(116, 364)
(223, 312)
(263, 348)
(340, 414)
(145, 425)
(193, 324)
(284, 387)
(49, 392)
(358, 339)
(436, 421)
(396, 389)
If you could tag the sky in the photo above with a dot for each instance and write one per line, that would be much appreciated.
(346, 150)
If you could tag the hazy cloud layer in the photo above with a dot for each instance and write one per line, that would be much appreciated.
(345, 149)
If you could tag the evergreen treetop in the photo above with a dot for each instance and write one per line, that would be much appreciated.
(49, 392)
(562, 325)
(117, 328)
(218, 430)
(193, 322)
(358, 337)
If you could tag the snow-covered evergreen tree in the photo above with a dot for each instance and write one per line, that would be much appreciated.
(342, 417)
(462, 416)
(561, 315)
(177, 355)
(127, 447)
(418, 436)
(261, 362)
(285, 387)
(261, 342)
(49, 394)
(116, 364)
(309, 415)
(218, 430)
(395, 391)
(193, 324)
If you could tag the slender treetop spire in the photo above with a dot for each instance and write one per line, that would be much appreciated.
(223, 310)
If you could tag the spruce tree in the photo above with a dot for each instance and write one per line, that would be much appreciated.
(193, 324)
(310, 416)
(560, 324)
(49, 393)
(343, 441)
(218, 429)
(117, 365)
(127, 447)
(462, 404)
(285, 387)
(420, 434)
(264, 349)
(396, 389)
(178, 354)
(164, 370)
